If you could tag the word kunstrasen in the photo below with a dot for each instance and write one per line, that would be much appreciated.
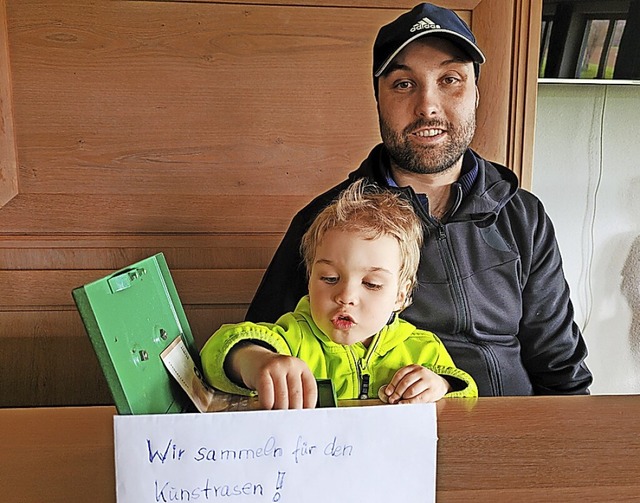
(166, 491)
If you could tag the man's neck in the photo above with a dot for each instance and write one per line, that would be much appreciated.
(437, 187)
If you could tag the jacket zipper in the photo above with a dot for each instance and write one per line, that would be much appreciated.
(364, 387)
(462, 318)
(361, 366)
(458, 296)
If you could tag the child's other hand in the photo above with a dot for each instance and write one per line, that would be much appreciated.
(282, 382)
(416, 384)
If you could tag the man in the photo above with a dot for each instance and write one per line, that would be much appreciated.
(491, 284)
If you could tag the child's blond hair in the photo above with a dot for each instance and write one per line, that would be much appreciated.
(372, 212)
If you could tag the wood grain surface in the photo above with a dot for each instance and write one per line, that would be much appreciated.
(524, 449)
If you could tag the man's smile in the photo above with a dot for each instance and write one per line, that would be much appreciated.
(428, 133)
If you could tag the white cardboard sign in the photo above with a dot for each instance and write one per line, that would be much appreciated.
(373, 454)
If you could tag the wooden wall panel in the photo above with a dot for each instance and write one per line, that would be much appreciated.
(46, 358)
(195, 286)
(189, 100)
(8, 161)
(194, 128)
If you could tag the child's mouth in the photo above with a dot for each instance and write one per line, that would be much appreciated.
(343, 322)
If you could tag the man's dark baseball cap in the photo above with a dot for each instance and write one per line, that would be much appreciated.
(423, 19)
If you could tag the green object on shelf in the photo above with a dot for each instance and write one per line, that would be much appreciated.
(131, 316)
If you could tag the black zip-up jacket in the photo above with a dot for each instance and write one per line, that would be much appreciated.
(490, 284)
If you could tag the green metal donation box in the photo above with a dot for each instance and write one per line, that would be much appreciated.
(131, 317)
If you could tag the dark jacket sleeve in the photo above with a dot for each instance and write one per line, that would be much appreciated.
(553, 349)
(284, 282)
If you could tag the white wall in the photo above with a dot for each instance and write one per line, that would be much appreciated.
(587, 173)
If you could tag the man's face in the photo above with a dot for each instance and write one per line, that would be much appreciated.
(427, 102)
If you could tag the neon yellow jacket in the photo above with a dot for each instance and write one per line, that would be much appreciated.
(349, 367)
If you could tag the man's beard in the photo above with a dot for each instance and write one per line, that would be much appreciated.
(426, 159)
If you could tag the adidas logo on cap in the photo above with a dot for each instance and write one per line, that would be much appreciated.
(424, 24)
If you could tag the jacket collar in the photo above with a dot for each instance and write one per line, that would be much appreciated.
(494, 186)
(384, 341)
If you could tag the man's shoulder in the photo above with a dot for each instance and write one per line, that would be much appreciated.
(306, 215)
(303, 218)
(366, 170)
(495, 172)
(326, 197)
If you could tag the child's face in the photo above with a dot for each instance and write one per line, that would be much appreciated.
(354, 285)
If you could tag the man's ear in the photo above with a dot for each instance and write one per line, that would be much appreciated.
(477, 97)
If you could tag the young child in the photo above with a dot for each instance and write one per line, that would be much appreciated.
(362, 255)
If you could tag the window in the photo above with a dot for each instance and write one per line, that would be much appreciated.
(547, 26)
(590, 39)
(599, 48)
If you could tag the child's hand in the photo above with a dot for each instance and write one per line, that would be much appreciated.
(416, 384)
(282, 382)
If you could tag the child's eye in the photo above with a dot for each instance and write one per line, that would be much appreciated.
(330, 280)
(372, 286)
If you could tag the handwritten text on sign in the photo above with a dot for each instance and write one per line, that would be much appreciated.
(382, 453)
